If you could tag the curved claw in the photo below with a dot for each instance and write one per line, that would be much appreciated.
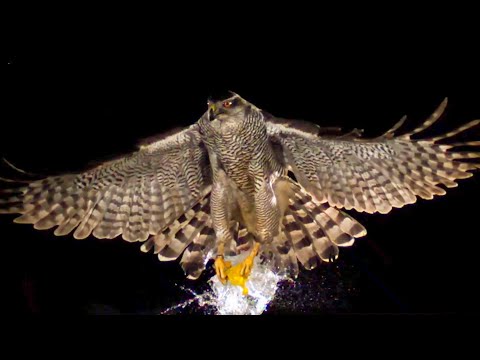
(236, 278)
(247, 266)
(238, 274)
(221, 267)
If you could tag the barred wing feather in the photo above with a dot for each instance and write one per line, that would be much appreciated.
(135, 196)
(376, 175)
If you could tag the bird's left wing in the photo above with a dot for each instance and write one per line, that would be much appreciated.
(374, 175)
(135, 196)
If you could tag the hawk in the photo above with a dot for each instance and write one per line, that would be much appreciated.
(241, 180)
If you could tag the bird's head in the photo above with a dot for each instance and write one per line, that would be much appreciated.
(228, 113)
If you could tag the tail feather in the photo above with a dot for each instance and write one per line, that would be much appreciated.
(313, 231)
(175, 241)
(196, 255)
(172, 241)
(284, 256)
(300, 238)
(191, 234)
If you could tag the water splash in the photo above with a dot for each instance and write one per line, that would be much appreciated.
(228, 299)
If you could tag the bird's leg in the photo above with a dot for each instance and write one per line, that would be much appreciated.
(221, 266)
(220, 212)
(238, 274)
(267, 220)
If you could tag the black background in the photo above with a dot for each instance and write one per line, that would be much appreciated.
(69, 104)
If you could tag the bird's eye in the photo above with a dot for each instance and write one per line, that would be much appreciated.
(227, 104)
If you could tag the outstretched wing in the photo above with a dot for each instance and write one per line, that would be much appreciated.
(374, 175)
(135, 196)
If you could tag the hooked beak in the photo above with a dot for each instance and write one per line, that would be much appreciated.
(212, 111)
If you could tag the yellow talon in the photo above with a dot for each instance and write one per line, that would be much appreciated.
(238, 274)
(221, 268)
(236, 278)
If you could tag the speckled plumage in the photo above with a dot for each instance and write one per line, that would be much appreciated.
(223, 183)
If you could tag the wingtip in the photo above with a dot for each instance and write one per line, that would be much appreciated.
(165, 258)
(443, 105)
(16, 168)
(193, 277)
(7, 180)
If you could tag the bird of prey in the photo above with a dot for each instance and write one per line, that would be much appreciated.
(241, 180)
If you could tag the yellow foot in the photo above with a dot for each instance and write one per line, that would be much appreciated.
(237, 275)
(247, 264)
(235, 278)
(221, 267)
